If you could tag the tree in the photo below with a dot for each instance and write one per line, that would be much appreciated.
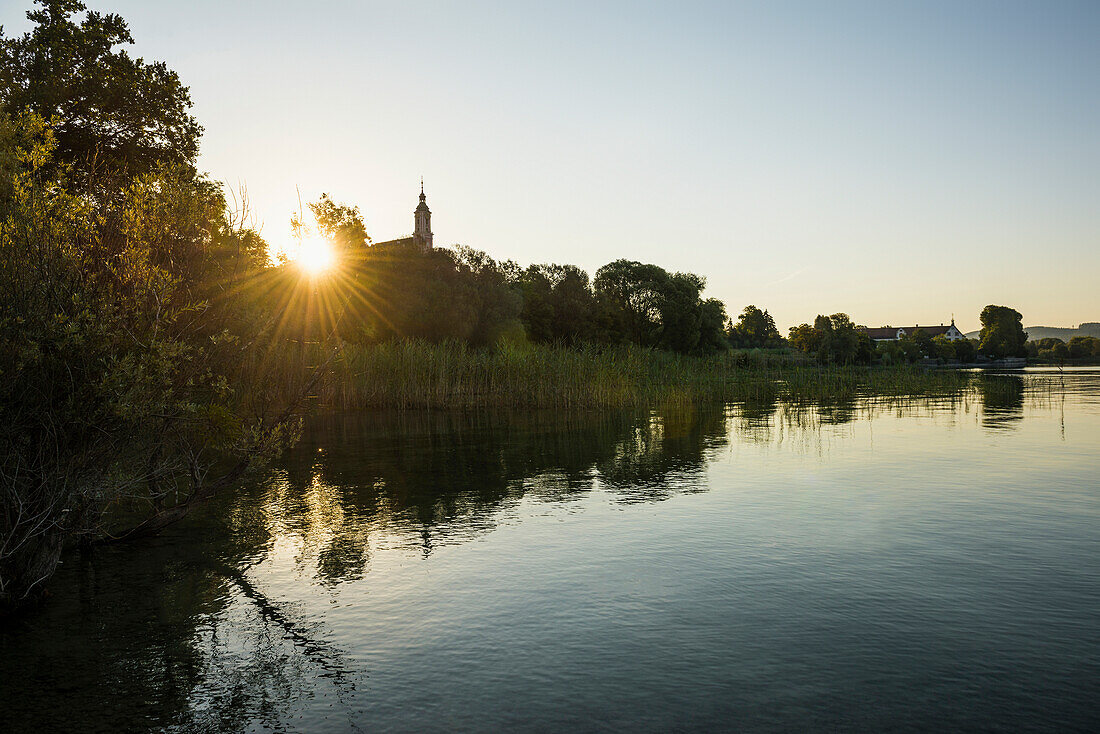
(943, 348)
(1081, 347)
(1002, 333)
(648, 306)
(537, 313)
(841, 341)
(680, 311)
(834, 340)
(804, 338)
(923, 340)
(133, 349)
(713, 317)
(558, 303)
(909, 349)
(497, 304)
(340, 224)
(966, 350)
(754, 328)
(632, 293)
(573, 303)
(1045, 344)
(114, 114)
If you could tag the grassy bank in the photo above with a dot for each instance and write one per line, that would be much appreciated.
(409, 374)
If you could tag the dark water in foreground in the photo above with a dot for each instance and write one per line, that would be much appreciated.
(927, 565)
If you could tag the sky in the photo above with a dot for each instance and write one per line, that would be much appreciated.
(900, 162)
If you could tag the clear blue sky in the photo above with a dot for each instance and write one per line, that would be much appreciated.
(896, 161)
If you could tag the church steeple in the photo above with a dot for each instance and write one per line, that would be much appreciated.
(423, 220)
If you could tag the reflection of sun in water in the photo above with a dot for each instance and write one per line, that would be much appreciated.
(314, 255)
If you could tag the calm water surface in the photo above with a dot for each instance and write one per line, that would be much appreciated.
(932, 564)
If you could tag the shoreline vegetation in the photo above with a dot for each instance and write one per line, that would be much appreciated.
(419, 375)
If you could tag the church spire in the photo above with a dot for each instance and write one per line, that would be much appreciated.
(422, 218)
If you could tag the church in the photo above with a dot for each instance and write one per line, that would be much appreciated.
(422, 227)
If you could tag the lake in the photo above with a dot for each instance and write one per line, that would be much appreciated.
(872, 565)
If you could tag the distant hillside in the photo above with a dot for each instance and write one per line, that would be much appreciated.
(1065, 333)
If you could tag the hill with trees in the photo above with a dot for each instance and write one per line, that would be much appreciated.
(1065, 333)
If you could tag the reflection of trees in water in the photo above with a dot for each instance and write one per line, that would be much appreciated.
(115, 648)
(179, 633)
(662, 456)
(442, 477)
(260, 661)
(170, 632)
(1002, 400)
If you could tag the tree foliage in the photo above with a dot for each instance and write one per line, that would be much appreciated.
(1002, 333)
(558, 304)
(109, 112)
(754, 328)
(340, 224)
(834, 340)
(133, 340)
(1080, 348)
(646, 305)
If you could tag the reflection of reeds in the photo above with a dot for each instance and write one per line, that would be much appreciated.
(414, 374)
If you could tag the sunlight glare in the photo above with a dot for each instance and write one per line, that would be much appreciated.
(315, 255)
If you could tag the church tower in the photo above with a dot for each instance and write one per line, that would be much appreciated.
(423, 218)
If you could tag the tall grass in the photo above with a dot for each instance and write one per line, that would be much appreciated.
(415, 374)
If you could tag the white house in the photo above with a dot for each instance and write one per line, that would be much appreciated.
(893, 333)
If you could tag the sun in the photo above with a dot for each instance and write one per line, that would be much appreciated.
(315, 255)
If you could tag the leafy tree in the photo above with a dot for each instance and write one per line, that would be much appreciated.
(558, 303)
(712, 318)
(648, 306)
(1002, 333)
(804, 338)
(400, 291)
(340, 224)
(910, 350)
(497, 304)
(1056, 353)
(681, 316)
(537, 313)
(834, 340)
(133, 353)
(842, 342)
(112, 113)
(632, 293)
(966, 350)
(888, 352)
(1081, 347)
(923, 340)
(1046, 343)
(943, 348)
(574, 304)
(754, 328)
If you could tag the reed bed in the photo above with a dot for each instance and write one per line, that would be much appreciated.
(414, 374)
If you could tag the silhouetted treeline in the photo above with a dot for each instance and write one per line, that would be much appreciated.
(1056, 351)
(837, 340)
(398, 290)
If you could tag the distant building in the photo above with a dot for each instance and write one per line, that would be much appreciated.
(422, 226)
(893, 333)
